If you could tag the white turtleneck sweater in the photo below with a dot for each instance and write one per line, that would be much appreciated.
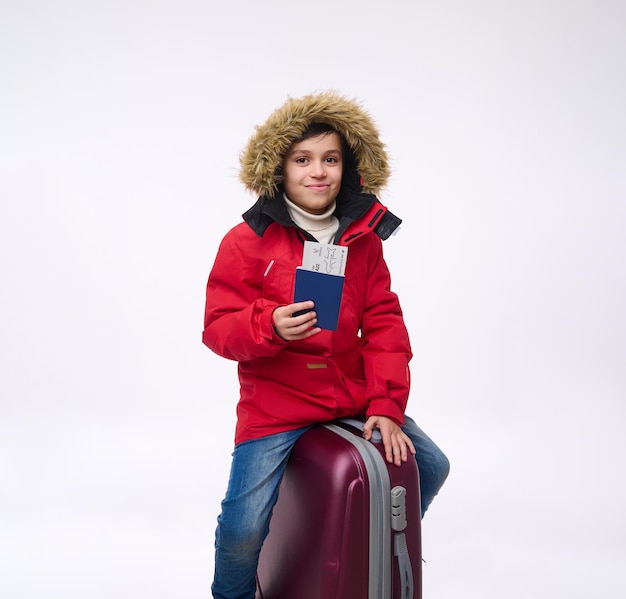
(322, 226)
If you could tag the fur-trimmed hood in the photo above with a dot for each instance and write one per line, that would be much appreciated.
(263, 156)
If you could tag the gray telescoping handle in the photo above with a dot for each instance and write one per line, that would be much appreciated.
(358, 424)
(401, 551)
(400, 548)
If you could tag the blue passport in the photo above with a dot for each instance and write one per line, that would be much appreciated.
(325, 290)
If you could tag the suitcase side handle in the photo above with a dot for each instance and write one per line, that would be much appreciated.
(358, 424)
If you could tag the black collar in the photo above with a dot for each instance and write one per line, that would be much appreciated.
(266, 210)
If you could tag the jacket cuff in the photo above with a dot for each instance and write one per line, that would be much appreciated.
(387, 408)
(269, 330)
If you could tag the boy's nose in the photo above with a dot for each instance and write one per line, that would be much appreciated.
(318, 170)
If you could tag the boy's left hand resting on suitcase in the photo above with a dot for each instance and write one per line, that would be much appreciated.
(397, 445)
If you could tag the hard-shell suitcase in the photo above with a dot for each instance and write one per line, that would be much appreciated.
(346, 524)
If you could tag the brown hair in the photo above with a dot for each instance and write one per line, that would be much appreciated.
(315, 129)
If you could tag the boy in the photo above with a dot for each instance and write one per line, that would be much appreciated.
(315, 164)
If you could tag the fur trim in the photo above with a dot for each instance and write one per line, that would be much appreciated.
(267, 147)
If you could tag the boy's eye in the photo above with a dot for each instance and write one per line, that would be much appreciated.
(332, 159)
(301, 160)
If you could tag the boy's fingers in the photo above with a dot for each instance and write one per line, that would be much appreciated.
(396, 443)
(293, 309)
(389, 448)
(398, 452)
(410, 445)
(396, 449)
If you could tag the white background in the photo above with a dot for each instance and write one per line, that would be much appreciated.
(121, 123)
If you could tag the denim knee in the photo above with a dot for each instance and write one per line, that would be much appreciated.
(238, 538)
(434, 469)
(432, 463)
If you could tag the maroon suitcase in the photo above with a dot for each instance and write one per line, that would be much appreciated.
(346, 524)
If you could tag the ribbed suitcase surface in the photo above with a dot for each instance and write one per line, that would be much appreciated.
(333, 532)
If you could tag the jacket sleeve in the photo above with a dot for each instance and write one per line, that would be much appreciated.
(387, 349)
(237, 319)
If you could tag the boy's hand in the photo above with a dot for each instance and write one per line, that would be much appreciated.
(397, 445)
(292, 328)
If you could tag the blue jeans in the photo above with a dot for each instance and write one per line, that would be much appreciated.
(257, 469)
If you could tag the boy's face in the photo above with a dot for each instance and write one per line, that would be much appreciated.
(312, 172)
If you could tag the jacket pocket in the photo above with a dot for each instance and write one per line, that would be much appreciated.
(279, 278)
(301, 389)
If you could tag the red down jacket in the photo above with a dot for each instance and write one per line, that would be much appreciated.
(361, 368)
